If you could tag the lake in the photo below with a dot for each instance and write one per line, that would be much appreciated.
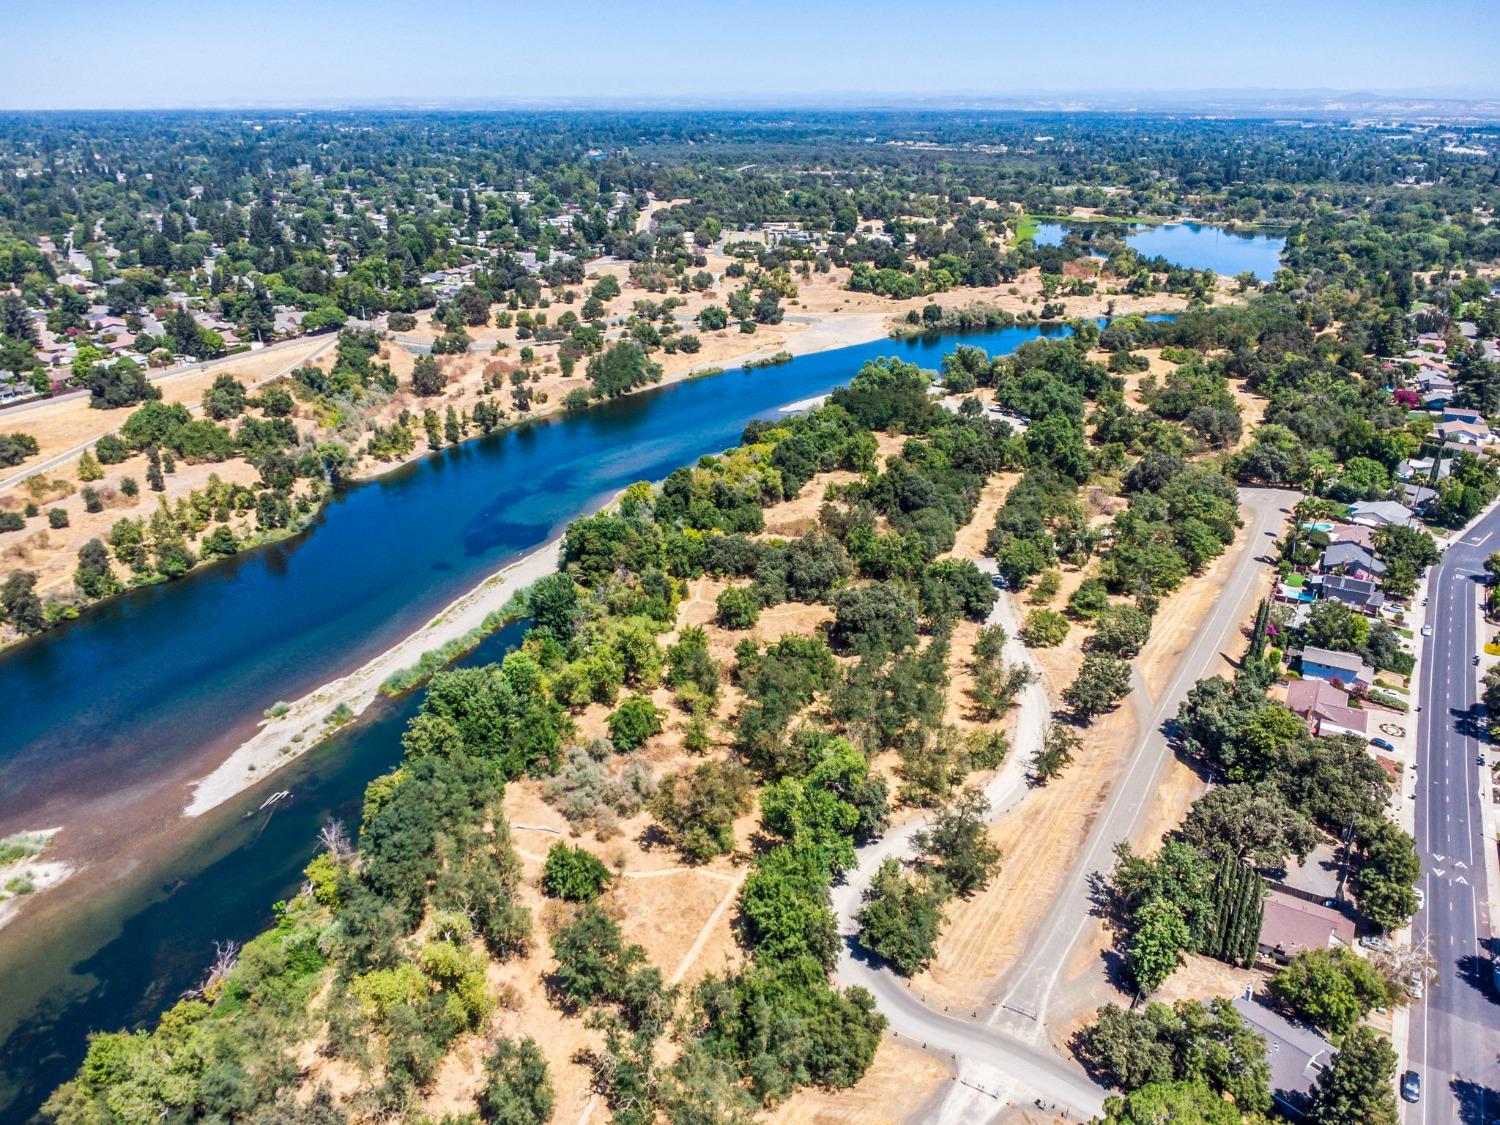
(99, 710)
(1197, 246)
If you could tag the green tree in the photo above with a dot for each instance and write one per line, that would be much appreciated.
(1384, 888)
(573, 874)
(697, 809)
(1102, 681)
(427, 377)
(19, 603)
(1332, 988)
(1156, 947)
(901, 917)
(633, 721)
(94, 577)
(957, 846)
(518, 1087)
(1044, 628)
(1357, 1087)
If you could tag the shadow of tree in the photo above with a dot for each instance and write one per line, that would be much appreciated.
(1477, 1104)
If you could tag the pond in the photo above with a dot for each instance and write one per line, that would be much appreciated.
(1198, 246)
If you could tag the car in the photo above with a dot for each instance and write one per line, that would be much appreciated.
(1424, 601)
(1421, 897)
(1479, 759)
(1374, 941)
(1426, 630)
(1411, 1086)
(1381, 743)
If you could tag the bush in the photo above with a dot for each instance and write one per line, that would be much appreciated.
(57, 518)
(697, 809)
(1044, 628)
(573, 874)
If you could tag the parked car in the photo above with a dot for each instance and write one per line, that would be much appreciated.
(1374, 941)
(1426, 630)
(1421, 898)
(1382, 743)
(1411, 1086)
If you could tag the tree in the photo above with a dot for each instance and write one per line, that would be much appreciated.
(225, 398)
(873, 619)
(94, 577)
(121, 384)
(1156, 947)
(697, 809)
(19, 603)
(1249, 822)
(958, 847)
(1122, 630)
(902, 916)
(573, 874)
(1332, 625)
(1058, 747)
(633, 721)
(738, 607)
(1180, 1103)
(1044, 628)
(1388, 872)
(1102, 681)
(1332, 988)
(518, 1087)
(1357, 1087)
(16, 447)
(427, 377)
(621, 367)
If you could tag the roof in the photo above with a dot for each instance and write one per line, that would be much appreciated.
(1380, 511)
(1354, 591)
(1319, 700)
(1291, 925)
(1352, 533)
(1351, 554)
(1295, 1051)
(1346, 661)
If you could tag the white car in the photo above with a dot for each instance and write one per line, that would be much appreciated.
(1426, 630)
(1421, 898)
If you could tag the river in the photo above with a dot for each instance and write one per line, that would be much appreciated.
(1197, 246)
(98, 711)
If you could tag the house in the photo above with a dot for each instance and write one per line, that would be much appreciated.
(1356, 593)
(1417, 496)
(1351, 558)
(1462, 414)
(1339, 668)
(1291, 925)
(1325, 708)
(1437, 398)
(1296, 1052)
(1464, 433)
(1381, 513)
(1352, 533)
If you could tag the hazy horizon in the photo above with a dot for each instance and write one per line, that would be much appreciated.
(186, 56)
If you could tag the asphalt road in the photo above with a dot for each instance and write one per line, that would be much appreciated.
(1455, 1029)
(1012, 1038)
(1026, 988)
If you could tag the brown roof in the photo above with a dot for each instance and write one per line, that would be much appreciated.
(1352, 533)
(1291, 926)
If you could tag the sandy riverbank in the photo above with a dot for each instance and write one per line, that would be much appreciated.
(305, 723)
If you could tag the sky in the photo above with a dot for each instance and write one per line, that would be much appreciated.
(69, 54)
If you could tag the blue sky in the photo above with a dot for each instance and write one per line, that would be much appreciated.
(85, 53)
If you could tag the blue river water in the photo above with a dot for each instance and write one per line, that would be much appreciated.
(96, 711)
(1194, 245)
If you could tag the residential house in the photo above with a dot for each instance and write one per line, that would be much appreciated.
(1296, 1052)
(1356, 593)
(1381, 513)
(1341, 668)
(1417, 496)
(1290, 926)
(1326, 709)
(1352, 533)
(1462, 414)
(1351, 558)
(1464, 433)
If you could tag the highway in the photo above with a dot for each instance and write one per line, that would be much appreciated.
(1455, 1028)
(1009, 1036)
